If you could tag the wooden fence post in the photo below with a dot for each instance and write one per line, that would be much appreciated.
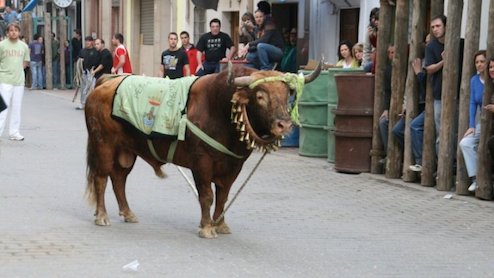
(62, 38)
(484, 183)
(48, 54)
(449, 97)
(411, 88)
(383, 39)
(398, 78)
(428, 153)
(472, 36)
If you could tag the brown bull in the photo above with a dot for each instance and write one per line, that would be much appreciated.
(261, 116)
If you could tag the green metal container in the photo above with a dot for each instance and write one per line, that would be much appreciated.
(313, 113)
(317, 90)
(313, 141)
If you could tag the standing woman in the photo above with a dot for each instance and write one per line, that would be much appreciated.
(345, 56)
(470, 140)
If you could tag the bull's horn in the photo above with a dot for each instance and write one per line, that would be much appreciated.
(310, 77)
(242, 81)
(230, 78)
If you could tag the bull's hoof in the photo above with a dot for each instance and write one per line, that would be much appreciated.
(222, 228)
(208, 232)
(129, 217)
(102, 220)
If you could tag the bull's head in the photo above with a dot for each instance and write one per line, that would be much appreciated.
(261, 109)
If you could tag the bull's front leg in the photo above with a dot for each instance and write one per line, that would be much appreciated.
(207, 229)
(221, 198)
(203, 185)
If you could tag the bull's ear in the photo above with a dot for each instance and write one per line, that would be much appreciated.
(240, 97)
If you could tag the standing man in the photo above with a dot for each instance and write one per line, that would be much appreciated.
(106, 59)
(214, 45)
(55, 60)
(190, 50)
(121, 59)
(36, 54)
(14, 57)
(91, 60)
(174, 61)
(76, 43)
(10, 15)
(434, 68)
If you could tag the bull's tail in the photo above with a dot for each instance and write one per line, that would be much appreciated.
(92, 163)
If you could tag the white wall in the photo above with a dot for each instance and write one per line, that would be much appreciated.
(365, 8)
(484, 18)
(323, 38)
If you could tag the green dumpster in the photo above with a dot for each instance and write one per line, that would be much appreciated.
(313, 112)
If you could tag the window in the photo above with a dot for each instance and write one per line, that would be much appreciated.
(199, 23)
(147, 22)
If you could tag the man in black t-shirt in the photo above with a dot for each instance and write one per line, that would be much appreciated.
(214, 45)
(174, 61)
(91, 59)
(106, 59)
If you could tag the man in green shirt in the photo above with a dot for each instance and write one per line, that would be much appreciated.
(14, 57)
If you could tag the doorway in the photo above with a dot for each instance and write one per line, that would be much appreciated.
(349, 20)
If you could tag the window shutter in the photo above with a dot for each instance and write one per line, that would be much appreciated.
(147, 21)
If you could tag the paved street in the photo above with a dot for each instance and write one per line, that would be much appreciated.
(296, 218)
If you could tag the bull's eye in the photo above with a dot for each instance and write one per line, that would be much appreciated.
(262, 98)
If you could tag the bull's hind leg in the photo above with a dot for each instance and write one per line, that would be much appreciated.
(118, 177)
(101, 215)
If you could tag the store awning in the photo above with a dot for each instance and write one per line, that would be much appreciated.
(206, 4)
(30, 6)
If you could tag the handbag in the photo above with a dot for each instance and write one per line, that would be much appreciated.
(3, 105)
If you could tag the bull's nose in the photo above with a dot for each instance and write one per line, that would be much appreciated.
(283, 126)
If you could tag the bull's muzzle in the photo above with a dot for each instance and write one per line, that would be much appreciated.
(281, 127)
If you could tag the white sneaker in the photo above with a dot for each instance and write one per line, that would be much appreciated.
(80, 107)
(472, 186)
(16, 137)
(415, 168)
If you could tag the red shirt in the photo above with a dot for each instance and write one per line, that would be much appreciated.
(119, 51)
(192, 56)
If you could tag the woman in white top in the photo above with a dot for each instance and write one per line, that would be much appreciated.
(345, 55)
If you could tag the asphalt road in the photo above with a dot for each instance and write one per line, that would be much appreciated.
(296, 218)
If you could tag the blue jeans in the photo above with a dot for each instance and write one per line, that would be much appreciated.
(437, 121)
(265, 56)
(417, 137)
(399, 132)
(55, 67)
(208, 68)
(469, 146)
(383, 130)
(36, 75)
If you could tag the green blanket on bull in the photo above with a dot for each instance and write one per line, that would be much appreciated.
(152, 104)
